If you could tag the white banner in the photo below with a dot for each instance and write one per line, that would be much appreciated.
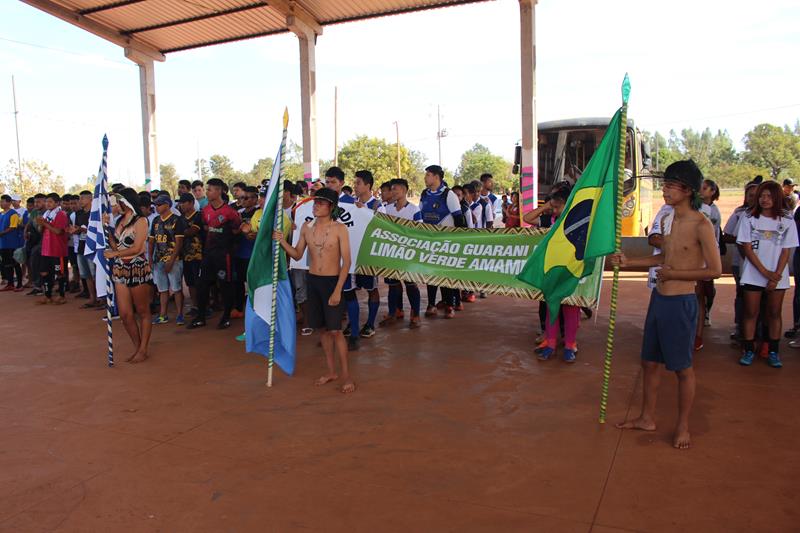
(355, 218)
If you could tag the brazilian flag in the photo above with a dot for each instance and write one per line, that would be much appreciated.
(586, 228)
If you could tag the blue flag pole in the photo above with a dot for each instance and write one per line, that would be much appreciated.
(276, 251)
(109, 282)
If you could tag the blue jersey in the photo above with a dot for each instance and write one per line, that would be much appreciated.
(13, 239)
(346, 199)
(438, 207)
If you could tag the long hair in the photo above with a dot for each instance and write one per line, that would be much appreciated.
(711, 184)
(778, 200)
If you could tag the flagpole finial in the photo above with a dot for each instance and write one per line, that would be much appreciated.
(285, 117)
(105, 142)
(626, 89)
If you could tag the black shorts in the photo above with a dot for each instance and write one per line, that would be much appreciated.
(756, 288)
(216, 267)
(319, 313)
(57, 265)
(191, 272)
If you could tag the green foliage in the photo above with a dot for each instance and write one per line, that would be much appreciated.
(261, 170)
(380, 157)
(775, 148)
(35, 177)
(169, 178)
(88, 185)
(480, 160)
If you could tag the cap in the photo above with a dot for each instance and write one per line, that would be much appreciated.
(327, 194)
(185, 197)
(162, 200)
(17, 197)
(787, 181)
(685, 172)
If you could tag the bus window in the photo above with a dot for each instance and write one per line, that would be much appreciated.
(547, 157)
(630, 181)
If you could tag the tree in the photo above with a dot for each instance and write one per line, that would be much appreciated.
(169, 178)
(380, 157)
(88, 185)
(35, 177)
(480, 160)
(222, 168)
(261, 170)
(772, 147)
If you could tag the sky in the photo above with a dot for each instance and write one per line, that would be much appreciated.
(718, 64)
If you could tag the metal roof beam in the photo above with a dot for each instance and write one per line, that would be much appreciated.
(101, 30)
(197, 18)
(106, 7)
(294, 13)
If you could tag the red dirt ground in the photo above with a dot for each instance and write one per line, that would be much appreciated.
(455, 427)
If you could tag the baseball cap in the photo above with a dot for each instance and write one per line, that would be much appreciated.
(787, 181)
(162, 200)
(327, 194)
(16, 197)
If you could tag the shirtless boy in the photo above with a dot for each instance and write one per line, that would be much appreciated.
(689, 253)
(329, 265)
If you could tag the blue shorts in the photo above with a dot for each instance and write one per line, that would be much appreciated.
(669, 330)
(86, 267)
(362, 281)
(168, 281)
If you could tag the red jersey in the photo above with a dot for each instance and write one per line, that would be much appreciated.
(220, 224)
(53, 244)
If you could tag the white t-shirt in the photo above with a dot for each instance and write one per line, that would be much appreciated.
(732, 228)
(662, 225)
(715, 217)
(768, 237)
(490, 208)
(408, 211)
(477, 210)
(74, 238)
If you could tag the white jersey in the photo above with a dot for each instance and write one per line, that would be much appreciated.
(477, 214)
(493, 202)
(769, 237)
(732, 228)
(74, 239)
(407, 212)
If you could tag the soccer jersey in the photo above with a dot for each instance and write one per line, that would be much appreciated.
(53, 244)
(732, 228)
(220, 223)
(477, 213)
(164, 233)
(408, 212)
(13, 239)
(193, 246)
(438, 207)
(490, 202)
(768, 238)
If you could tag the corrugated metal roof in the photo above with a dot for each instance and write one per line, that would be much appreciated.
(173, 25)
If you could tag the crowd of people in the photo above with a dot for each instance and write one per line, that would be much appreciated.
(199, 244)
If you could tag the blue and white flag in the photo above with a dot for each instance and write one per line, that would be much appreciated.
(270, 299)
(95, 234)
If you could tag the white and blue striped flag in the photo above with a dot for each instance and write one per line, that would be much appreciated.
(95, 234)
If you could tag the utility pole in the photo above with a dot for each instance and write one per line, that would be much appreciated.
(397, 132)
(16, 126)
(439, 131)
(199, 172)
(336, 126)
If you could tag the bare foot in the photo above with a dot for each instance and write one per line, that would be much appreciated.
(129, 359)
(682, 439)
(326, 379)
(641, 423)
(139, 357)
(348, 387)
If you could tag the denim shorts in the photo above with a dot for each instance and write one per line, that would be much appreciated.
(86, 267)
(168, 281)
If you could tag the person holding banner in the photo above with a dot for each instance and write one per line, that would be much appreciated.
(439, 206)
(131, 272)
(329, 265)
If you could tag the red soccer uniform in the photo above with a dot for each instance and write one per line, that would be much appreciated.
(53, 244)
(220, 224)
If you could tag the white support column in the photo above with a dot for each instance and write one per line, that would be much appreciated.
(529, 181)
(147, 88)
(307, 36)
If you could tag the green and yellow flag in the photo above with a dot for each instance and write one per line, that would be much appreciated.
(586, 228)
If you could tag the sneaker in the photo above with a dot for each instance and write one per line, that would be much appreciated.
(34, 292)
(546, 353)
(795, 343)
(196, 324)
(352, 344)
(774, 360)
(569, 355)
(698, 344)
(431, 311)
(161, 319)
(482, 295)
(792, 333)
(450, 312)
(305, 332)
(224, 323)
(179, 320)
(347, 330)
(747, 358)
(707, 322)
(241, 338)
(367, 331)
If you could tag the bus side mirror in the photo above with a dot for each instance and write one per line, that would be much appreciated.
(517, 159)
(647, 159)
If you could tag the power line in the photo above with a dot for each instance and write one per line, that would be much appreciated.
(63, 51)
